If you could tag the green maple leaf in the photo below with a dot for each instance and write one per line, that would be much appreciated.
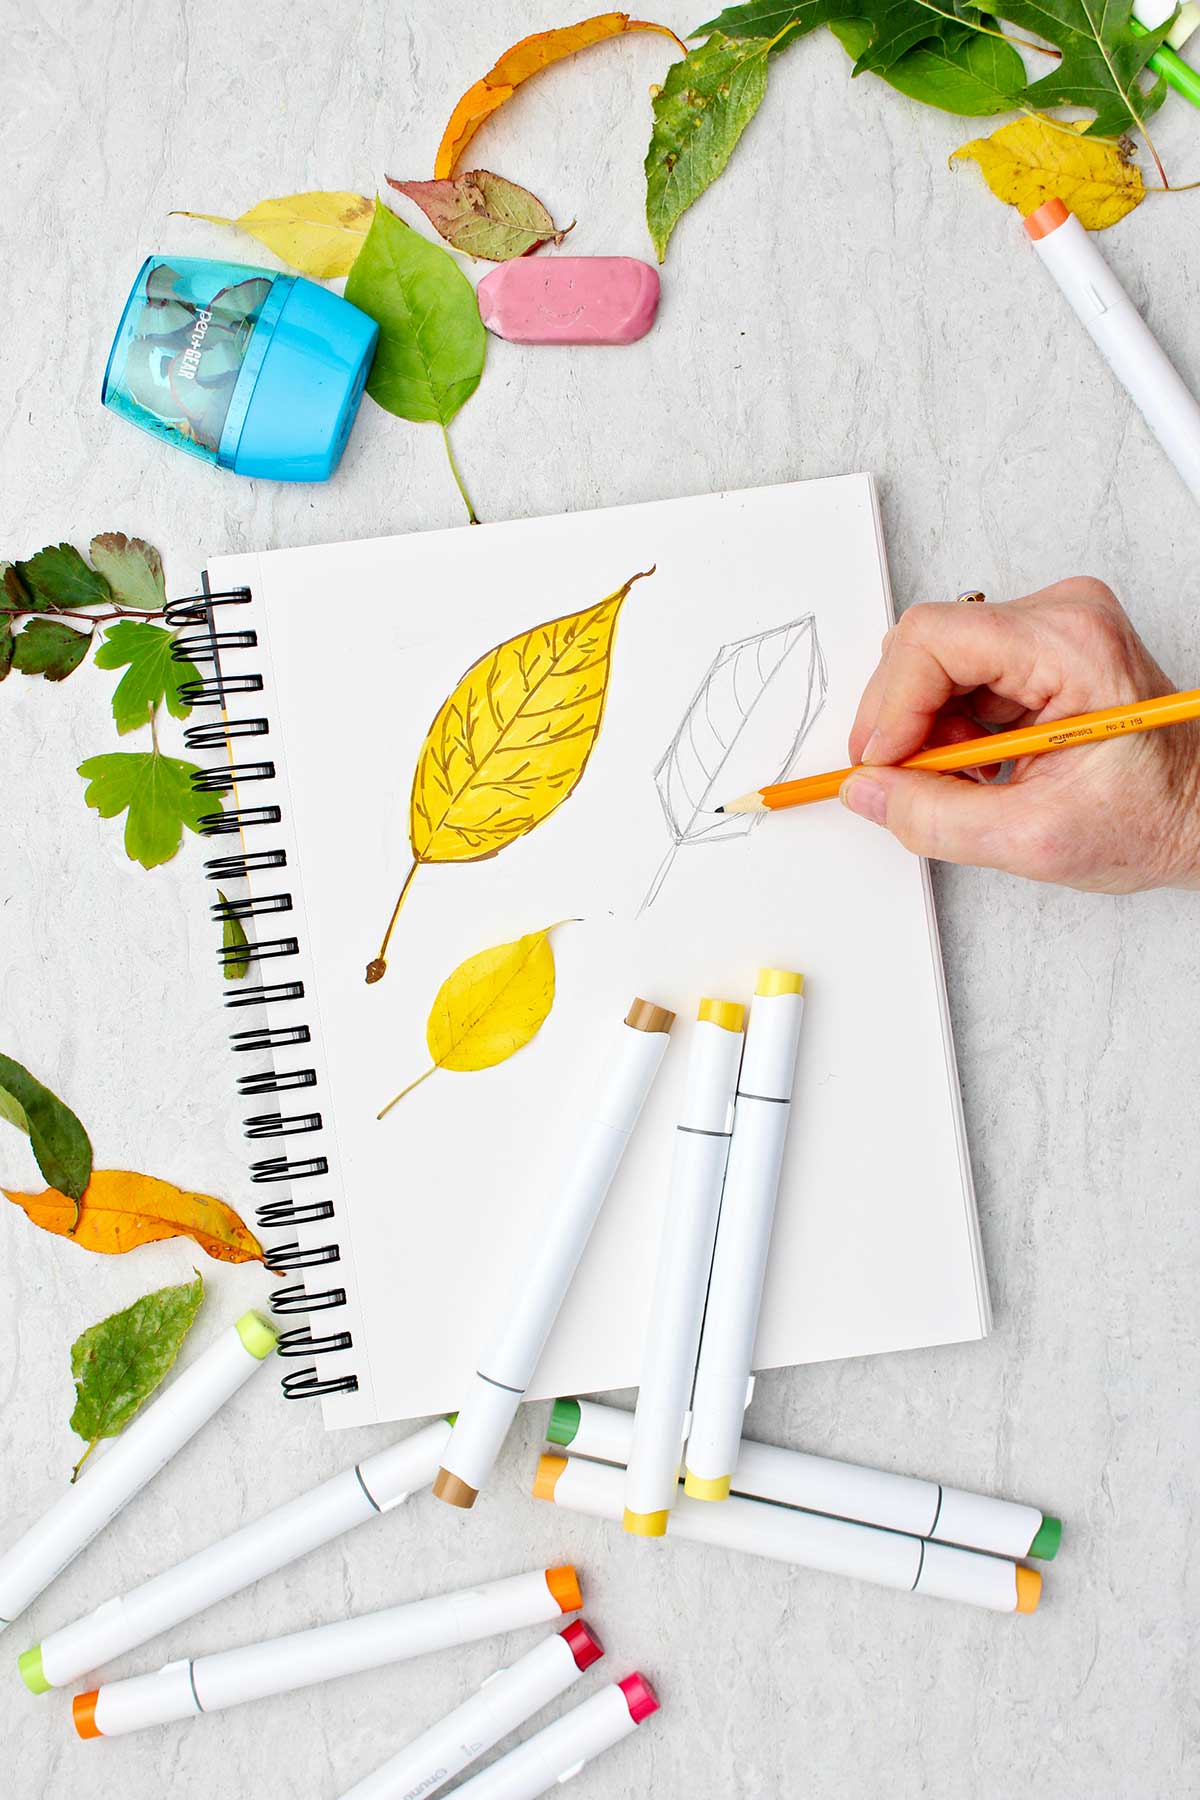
(152, 676)
(977, 77)
(48, 648)
(909, 21)
(57, 579)
(157, 793)
(118, 1363)
(1103, 59)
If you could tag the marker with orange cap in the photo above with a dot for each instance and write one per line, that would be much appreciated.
(739, 1266)
(630, 1056)
(563, 1748)
(1121, 335)
(685, 1254)
(182, 1690)
(506, 1699)
(806, 1540)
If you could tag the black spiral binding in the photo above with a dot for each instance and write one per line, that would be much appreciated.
(207, 635)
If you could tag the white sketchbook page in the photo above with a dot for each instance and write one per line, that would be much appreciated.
(875, 1244)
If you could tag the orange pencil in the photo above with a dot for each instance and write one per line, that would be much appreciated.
(1000, 746)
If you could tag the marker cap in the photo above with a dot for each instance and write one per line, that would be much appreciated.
(640, 1697)
(564, 1423)
(651, 1524)
(583, 1643)
(778, 981)
(563, 1583)
(646, 1015)
(30, 1664)
(1046, 218)
(729, 1014)
(454, 1491)
(83, 1711)
(546, 1480)
(1029, 1589)
(257, 1334)
(1046, 1539)
(697, 1488)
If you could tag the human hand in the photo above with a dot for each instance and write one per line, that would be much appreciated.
(1112, 818)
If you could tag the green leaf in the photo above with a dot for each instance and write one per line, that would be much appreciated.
(431, 338)
(49, 648)
(6, 646)
(767, 18)
(233, 939)
(482, 214)
(152, 676)
(704, 105)
(1103, 60)
(14, 595)
(132, 568)
(157, 793)
(118, 1363)
(57, 1139)
(974, 76)
(58, 579)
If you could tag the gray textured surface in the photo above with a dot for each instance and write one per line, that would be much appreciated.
(841, 301)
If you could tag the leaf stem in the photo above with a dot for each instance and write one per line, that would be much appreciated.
(82, 1460)
(408, 1090)
(377, 969)
(77, 612)
(458, 480)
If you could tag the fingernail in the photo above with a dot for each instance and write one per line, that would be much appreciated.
(871, 746)
(866, 798)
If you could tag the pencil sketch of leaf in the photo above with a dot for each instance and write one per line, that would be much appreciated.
(511, 743)
(751, 714)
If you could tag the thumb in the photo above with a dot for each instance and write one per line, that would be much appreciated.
(941, 816)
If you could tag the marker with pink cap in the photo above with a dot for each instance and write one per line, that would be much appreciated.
(563, 1748)
(1121, 335)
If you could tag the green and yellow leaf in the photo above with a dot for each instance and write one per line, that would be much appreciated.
(700, 112)
(1036, 159)
(320, 234)
(482, 214)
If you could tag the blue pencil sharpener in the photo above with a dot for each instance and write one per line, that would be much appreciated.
(253, 371)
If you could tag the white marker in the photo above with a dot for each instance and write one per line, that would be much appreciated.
(685, 1254)
(129, 1462)
(562, 1749)
(844, 1490)
(806, 1540)
(1121, 335)
(181, 1690)
(760, 1124)
(631, 1060)
(258, 1549)
(505, 1700)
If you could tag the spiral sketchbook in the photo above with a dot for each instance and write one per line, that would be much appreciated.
(357, 767)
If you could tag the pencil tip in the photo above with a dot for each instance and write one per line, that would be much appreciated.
(718, 809)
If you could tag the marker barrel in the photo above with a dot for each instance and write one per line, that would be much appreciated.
(631, 1060)
(561, 1749)
(130, 1461)
(1126, 342)
(685, 1254)
(212, 1683)
(739, 1266)
(807, 1540)
(224, 1568)
(819, 1484)
(505, 1700)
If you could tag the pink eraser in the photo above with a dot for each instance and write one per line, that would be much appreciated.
(570, 299)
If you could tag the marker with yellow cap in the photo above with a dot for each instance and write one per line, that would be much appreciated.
(820, 1484)
(630, 1055)
(114, 1476)
(685, 1253)
(760, 1123)
(806, 1540)
(183, 1690)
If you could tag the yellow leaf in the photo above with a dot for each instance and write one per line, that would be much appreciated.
(511, 743)
(119, 1211)
(1036, 159)
(517, 65)
(490, 1007)
(319, 234)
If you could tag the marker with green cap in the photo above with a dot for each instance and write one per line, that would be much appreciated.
(1166, 61)
(818, 1484)
(128, 1463)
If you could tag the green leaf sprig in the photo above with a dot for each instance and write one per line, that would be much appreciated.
(119, 1362)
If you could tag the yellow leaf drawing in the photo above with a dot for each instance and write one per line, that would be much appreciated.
(319, 234)
(511, 743)
(1036, 159)
(490, 1007)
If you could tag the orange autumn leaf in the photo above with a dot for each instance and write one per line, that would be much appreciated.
(517, 65)
(119, 1211)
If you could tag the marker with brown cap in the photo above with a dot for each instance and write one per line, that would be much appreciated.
(630, 1058)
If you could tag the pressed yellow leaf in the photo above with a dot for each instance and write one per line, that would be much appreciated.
(319, 234)
(490, 1007)
(120, 1210)
(511, 743)
(517, 65)
(1033, 160)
